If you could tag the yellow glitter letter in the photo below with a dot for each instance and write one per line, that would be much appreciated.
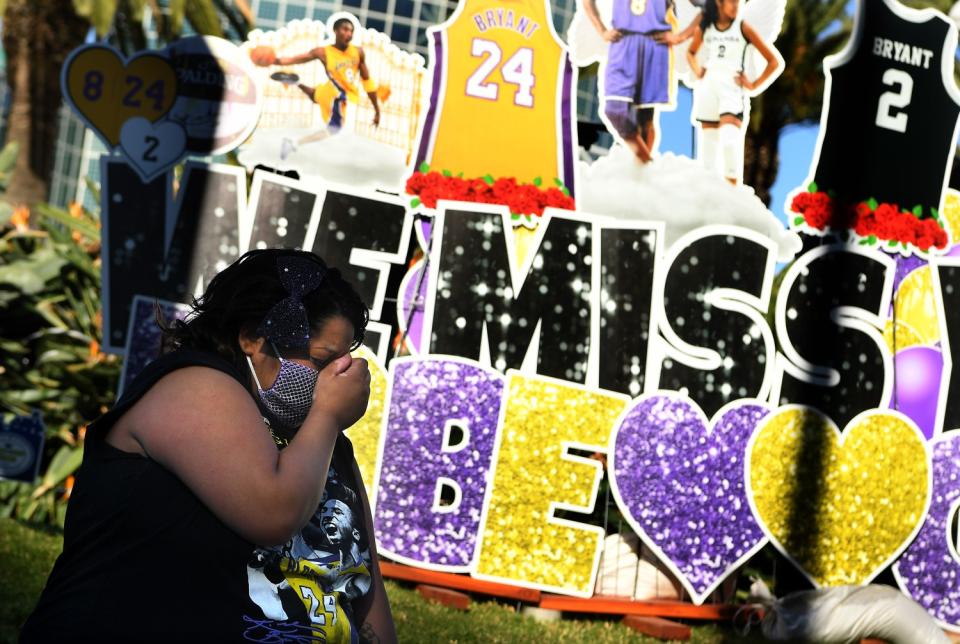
(520, 540)
(365, 434)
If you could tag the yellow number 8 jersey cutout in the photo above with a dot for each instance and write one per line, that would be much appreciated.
(502, 96)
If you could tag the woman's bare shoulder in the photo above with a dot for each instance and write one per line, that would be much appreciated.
(180, 401)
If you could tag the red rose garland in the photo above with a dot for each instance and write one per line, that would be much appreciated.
(428, 187)
(869, 220)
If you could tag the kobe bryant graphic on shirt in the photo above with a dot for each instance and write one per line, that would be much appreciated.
(313, 578)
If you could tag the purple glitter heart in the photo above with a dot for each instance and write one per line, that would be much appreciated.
(928, 571)
(427, 394)
(681, 486)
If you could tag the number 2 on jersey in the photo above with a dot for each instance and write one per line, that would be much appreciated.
(899, 98)
(517, 70)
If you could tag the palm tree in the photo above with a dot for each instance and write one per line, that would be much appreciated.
(38, 35)
(812, 29)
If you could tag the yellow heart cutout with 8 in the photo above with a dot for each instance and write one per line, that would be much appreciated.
(107, 91)
(840, 506)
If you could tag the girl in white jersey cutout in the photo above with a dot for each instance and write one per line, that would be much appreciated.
(720, 94)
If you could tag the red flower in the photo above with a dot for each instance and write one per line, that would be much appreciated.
(504, 187)
(801, 202)
(527, 198)
(863, 221)
(818, 209)
(415, 183)
(555, 198)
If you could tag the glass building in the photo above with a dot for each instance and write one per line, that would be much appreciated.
(406, 21)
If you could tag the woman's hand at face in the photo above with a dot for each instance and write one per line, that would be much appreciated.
(343, 390)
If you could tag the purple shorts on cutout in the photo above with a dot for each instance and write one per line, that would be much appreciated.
(638, 70)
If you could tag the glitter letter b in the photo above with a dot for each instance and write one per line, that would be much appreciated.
(435, 470)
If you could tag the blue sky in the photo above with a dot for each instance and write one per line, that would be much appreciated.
(797, 143)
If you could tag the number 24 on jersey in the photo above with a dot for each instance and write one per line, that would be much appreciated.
(517, 71)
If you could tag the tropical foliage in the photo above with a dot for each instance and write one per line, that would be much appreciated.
(812, 29)
(50, 325)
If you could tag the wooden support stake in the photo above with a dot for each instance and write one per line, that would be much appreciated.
(444, 596)
(658, 627)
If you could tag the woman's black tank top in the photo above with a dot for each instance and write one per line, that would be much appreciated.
(145, 560)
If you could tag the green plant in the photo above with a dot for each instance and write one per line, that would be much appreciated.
(50, 358)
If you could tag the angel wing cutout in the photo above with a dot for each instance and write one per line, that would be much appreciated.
(686, 12)
(585, 43)
(766, 18)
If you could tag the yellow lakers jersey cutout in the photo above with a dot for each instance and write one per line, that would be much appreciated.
(343, 68)
(501, 102)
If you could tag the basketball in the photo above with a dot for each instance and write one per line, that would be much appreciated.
(263, 55)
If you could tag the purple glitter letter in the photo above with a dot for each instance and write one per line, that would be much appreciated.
(430, 401)
(680, 484)
(929, 570)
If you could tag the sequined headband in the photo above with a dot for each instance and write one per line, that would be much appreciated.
(287, 323)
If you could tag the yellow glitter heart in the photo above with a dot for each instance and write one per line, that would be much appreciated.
(915, 306)
(841, 507)
(900, 336)
(365, 434)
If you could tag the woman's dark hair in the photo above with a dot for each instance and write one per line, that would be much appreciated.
(240, 296)
(711, 13)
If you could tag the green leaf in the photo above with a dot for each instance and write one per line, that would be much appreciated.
(797, 221)
(863, 242)
(8, 296)
(872, 239)
(94, 190)
(557, 181)
(29, 396)
(415, 202)
(892, 243)
(86, 228)
(64, 463)
(447, 173)
(917, 211)
(6, 211)
(99, 13)
(488, 179)
(136, 9)
(872, 203)
(8, 156)
(32, 274)
(203, 17)
(537, 181)
(56, 355)
(565, 191)
(424, 167)
(812, 187)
